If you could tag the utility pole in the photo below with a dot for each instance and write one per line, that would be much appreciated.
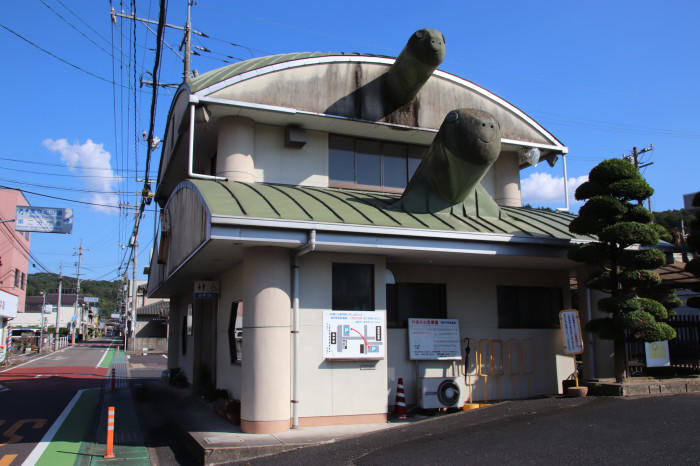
(58, 308)
(41, 331)
(77, 292)
(634, 158)
(186, 41)
(134, 288)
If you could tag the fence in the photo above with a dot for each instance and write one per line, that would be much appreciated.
(30, 344)
(684, 349)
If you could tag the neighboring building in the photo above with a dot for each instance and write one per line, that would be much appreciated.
(281, 184)
(14, 263)
(151, 317)
(32, 314)
(151, 330)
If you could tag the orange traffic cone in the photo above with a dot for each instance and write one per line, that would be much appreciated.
(400, 407)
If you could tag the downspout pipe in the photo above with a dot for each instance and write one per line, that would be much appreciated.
(190, 153)
(310, 246)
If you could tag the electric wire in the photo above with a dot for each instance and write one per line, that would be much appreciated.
(51, 54)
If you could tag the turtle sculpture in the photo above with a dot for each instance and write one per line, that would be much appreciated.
(422, 54)
(466, 146)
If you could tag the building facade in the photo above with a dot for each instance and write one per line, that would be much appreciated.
(14, 263)
(302, 188)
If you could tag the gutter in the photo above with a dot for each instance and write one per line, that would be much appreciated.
(190, 153)
(310, 246)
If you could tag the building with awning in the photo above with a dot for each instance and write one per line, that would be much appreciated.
(282, 188)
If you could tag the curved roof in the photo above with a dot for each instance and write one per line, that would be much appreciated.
(218, 75)
(307, 204)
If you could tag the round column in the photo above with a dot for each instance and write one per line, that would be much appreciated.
(266, 365)
(506, 180)
(234, 149)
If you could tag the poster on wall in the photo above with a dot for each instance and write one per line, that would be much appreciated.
(434, 339)
(354, 335)
(657, 354)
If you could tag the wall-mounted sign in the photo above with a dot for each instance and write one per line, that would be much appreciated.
(354, 335)
(571, 331)
(44, 219)
(657, 354)
(8, 305)
(90, 299)
(206, 289)
(434, 339)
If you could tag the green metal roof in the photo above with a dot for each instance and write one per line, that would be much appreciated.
(221, 74)
(342, 206)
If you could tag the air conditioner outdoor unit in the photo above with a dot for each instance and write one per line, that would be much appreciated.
(441, 392)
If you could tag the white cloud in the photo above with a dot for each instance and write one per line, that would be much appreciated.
(542, 189)
(93, 162)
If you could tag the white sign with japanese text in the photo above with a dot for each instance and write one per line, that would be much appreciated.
(571, 331)
(434, 339)
(354, 335)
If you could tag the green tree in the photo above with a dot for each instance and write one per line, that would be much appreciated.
(623, 258)
(694, 246)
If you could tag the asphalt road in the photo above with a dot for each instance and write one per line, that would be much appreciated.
(659, 430)
(33, 395)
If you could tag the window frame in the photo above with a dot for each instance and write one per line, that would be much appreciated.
(409, 152)
(336, 301)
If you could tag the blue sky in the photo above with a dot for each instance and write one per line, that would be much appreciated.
(601, 76)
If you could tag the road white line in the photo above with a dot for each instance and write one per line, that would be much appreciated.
(48, 436)
(103, 356)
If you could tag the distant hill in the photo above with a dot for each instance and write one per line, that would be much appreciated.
(671, 219)
(107, 292)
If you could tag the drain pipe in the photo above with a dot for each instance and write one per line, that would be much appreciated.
(310, 246)
(190, 154)
(591, 341)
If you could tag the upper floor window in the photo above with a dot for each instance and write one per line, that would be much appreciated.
(17, 278)
(370, 164)
(529, 306)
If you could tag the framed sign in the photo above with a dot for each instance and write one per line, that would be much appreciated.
(354, 335)
(657, 354)
(571, 331)
(434, 339)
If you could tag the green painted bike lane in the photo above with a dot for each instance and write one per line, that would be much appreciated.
(82, 436)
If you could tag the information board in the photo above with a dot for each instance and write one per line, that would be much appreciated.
(657, 354)
(434, 339)
(44, 219)
(571, 331)
(354, 335)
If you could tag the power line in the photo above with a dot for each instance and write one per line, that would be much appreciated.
(62, 174)
(51, 54)
(74, 27)
(61, 188)
(66, 199)
(51, 164)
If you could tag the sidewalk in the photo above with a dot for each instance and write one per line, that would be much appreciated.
(211, 439)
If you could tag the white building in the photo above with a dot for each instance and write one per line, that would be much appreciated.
(280, 184)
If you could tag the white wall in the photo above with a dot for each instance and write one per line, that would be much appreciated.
(335, 388)
(178, 309)
(228, 374)
(275, 163)
(472, 298)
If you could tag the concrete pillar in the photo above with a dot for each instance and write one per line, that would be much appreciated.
(266, 365)
(507, 180)
(234, 149)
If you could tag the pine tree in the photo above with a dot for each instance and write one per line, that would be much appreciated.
(694, 246)
(623, 259)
